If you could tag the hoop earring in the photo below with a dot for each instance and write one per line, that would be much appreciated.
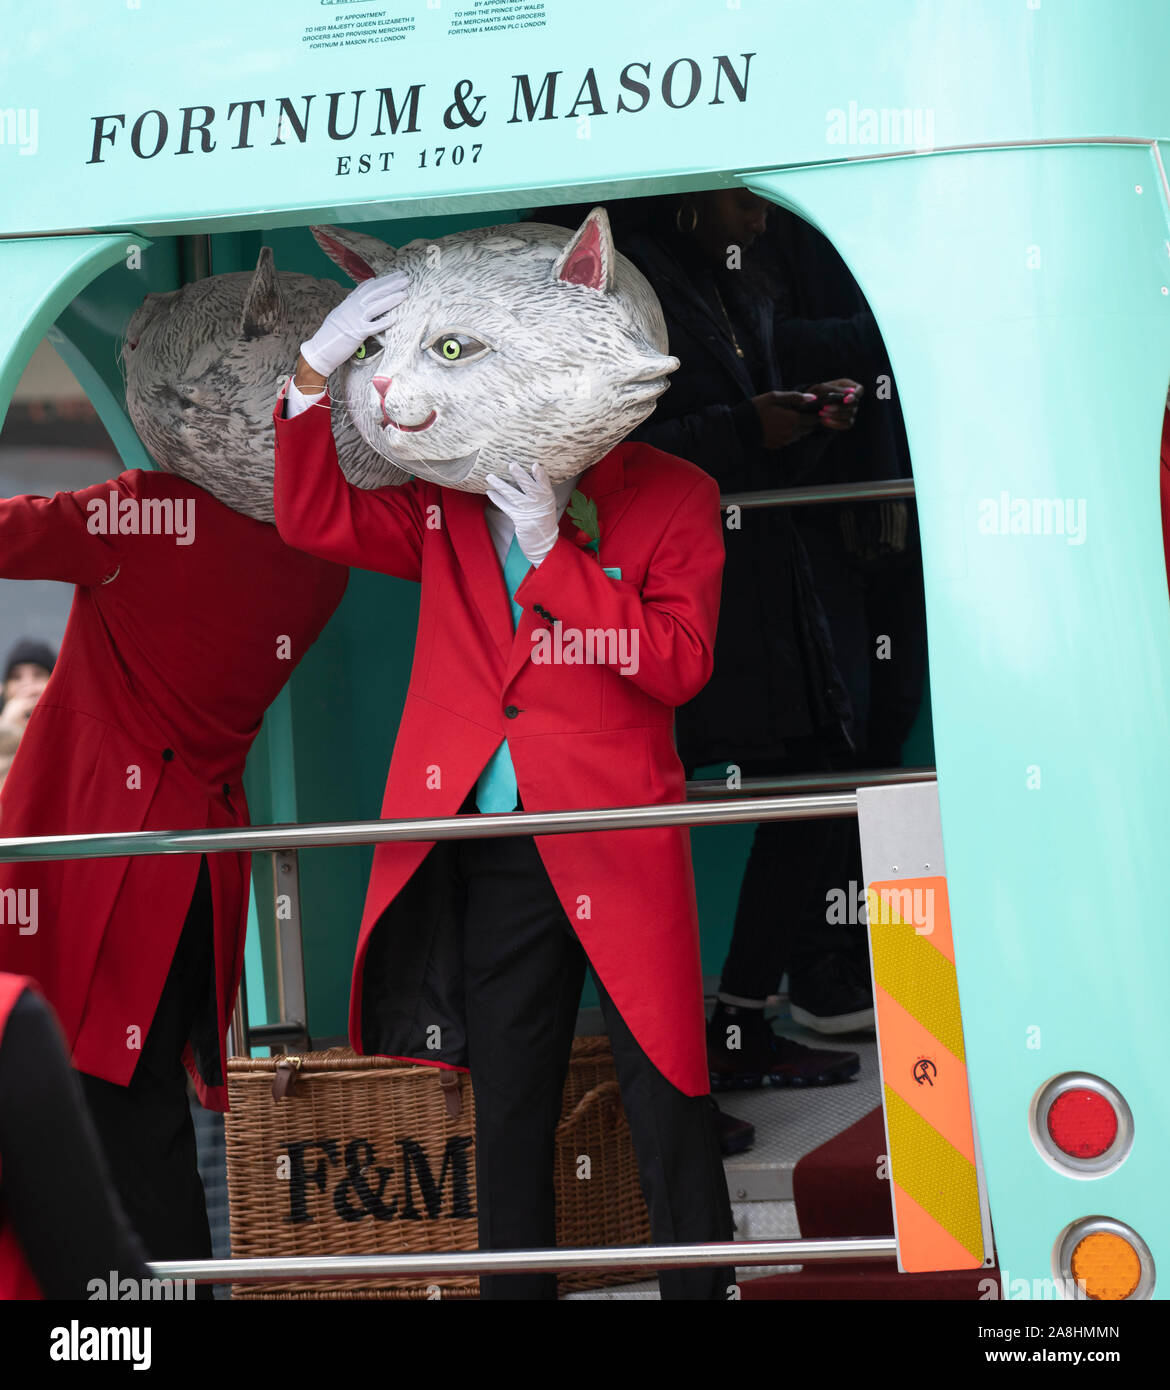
(678, 218)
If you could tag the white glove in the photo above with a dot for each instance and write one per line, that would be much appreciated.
(532, 506)
(362, 314)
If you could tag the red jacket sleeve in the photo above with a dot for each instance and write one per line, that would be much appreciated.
(319, 512)
(63, 537)
(674, 613)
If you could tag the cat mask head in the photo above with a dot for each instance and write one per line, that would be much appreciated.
(203, 366)
(520, 344)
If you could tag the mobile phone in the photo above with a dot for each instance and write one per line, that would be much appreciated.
(834, 397)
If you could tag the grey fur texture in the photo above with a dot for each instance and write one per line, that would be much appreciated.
(549, 370)
(203, 366)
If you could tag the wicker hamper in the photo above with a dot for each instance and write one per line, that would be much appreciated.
(365, 1156)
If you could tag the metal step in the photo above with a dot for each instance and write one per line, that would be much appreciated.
(792, 1122)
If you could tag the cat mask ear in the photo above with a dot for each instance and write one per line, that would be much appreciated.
(361, 257)
(265, 310)
(589, 259)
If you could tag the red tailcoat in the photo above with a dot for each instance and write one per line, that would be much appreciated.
(171, 656)
(580, 735)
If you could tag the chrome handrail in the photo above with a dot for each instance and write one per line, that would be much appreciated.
(742, 1253)
(880, 491)
(471, 827)
(806, 782)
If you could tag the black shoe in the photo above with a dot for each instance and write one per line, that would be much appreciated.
(831, 994)
(734, 1135)
(794, 1064)
(763, 1059)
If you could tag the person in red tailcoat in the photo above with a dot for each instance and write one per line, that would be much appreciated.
(171, 656)
(472, 953)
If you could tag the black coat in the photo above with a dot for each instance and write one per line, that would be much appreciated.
(823, 329)
(774, 678)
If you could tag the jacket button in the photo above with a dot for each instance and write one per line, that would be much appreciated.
(168, 754)
(511, 711)
(227, 789)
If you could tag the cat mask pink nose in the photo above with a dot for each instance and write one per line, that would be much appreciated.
(382, 385)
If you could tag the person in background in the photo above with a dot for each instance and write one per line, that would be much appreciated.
(775, 703)
(141, 958)
(866, 557)
(61, 1226)
(865, 565)
(26, 673)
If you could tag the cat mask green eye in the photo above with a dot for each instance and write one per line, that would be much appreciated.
(370, 348)
(457, 347)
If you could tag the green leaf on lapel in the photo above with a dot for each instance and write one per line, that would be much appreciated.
(583, 515)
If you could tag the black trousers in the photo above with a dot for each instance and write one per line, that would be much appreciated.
(782, 917)
(145, 1128)
(865, 601)
(797, 869)
(524, 968)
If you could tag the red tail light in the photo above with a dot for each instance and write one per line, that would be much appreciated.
(1081, 1125)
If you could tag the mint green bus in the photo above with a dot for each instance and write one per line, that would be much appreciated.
(994, 176)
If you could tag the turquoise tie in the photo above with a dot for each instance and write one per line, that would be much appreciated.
(496, 789)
